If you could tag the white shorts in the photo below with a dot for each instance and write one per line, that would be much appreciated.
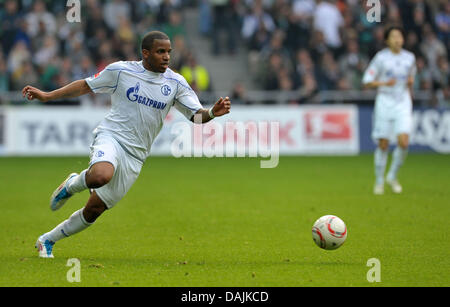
(388, 123)
(126, 168)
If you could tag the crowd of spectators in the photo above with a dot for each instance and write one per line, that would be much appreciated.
(307, 45)
(40, 47)
(317, 45)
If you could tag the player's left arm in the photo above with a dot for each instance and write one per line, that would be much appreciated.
(220, 108)
(187, 102)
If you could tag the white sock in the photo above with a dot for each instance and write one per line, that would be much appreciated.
(398, 157)
(78, 183)
(74, 224)
(380, 164)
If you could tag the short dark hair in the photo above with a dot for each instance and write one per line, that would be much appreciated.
(148, 39)
(388, 31)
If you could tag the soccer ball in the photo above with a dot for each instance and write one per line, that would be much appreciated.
(329, 232)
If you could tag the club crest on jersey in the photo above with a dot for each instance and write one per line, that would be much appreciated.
(166, 90)
(133, 95)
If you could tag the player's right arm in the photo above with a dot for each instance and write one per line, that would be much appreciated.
(104, 82)
(74, 89)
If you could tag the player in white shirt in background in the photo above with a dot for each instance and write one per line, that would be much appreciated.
(142, 94)
(392, 73)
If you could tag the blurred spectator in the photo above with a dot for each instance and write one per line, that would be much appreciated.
(348, 31)
(39, 19)
(308, 88)
(369, 34)
(376, 44)
(10, 20)
(65, 73)
(238, 94)
(297, 30)
(442, 79)
(224, 20)
(23, 75)
(418, 22)
(164, 10)
(304, 9)
(328, 20)
(412, 43)
(443, 23)
(431, 47)
(48, 76)
(328, 73)
(19, 53)
(46, 52)
(95, 22)
(107, 55)
(114, 10)
(305, 66)
(4, 75)
(258, 60)
(442, 75)
(344, 84)
(76, 49)
(415, 14)
(93, 44)
(306, 45)
(128, 52)
(204, 17)
(179, 53)
(125, 33)
(284, 80)
(276, 44)
(392, 16)
(174, 26)
(86, 68)
(259, 39)
(352, 64)
(196, 75)
(318, 46)
(257, 21)
(281, 10)
(270, 78)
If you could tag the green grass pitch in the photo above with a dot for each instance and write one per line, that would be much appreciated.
(227, 222)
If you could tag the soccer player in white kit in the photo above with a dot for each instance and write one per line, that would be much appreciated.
(392, 73)
(142, 94)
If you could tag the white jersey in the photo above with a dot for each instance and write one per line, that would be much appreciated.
(140, 101)
(385, 66)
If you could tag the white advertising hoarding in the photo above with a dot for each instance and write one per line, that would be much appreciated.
(50, 130)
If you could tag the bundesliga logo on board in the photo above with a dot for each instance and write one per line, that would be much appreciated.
(328, 125)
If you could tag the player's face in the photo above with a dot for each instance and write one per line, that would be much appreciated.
(158, 57)
(395, 40)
